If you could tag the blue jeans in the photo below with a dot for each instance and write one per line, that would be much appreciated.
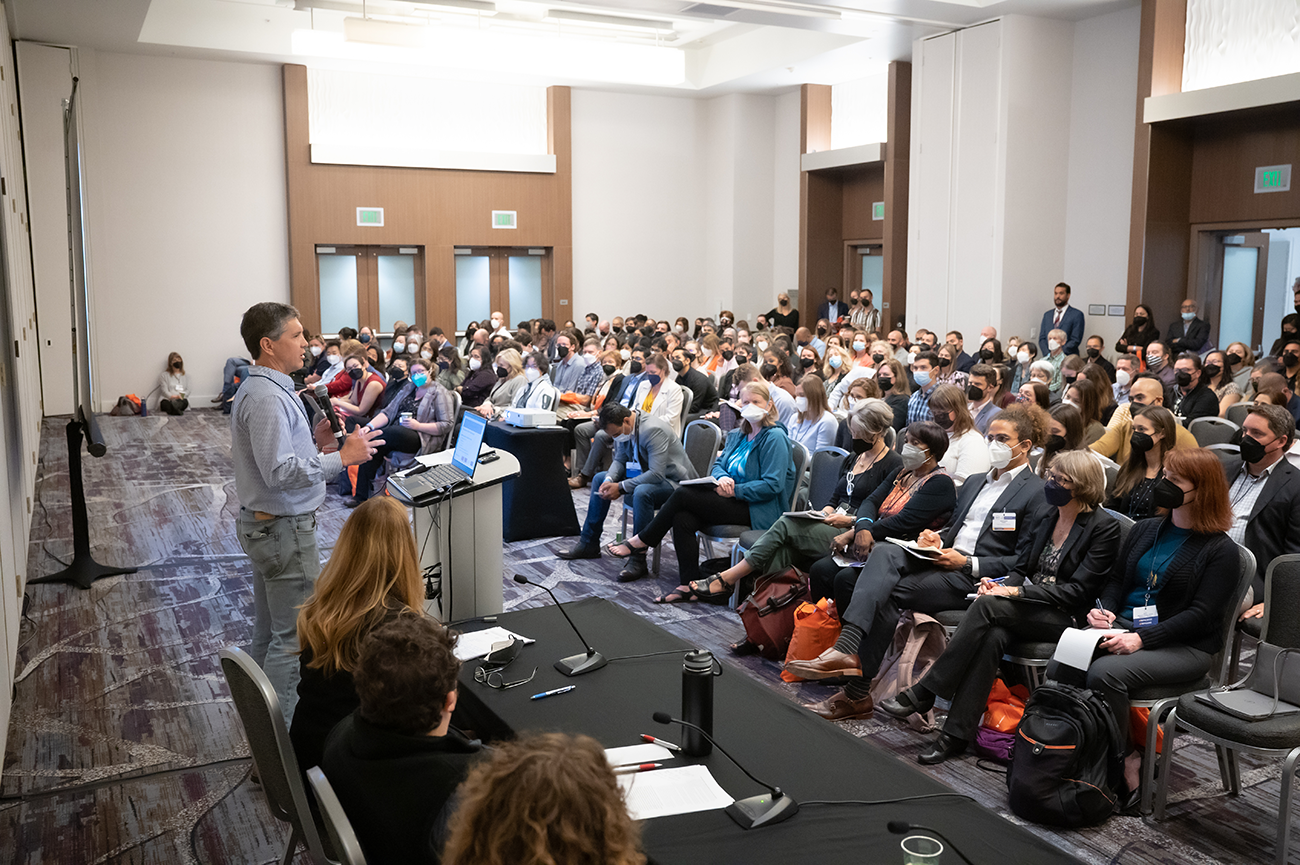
(645, 499)
(286, 564)
(235, 366)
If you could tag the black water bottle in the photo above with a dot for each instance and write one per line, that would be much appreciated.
(697, 701)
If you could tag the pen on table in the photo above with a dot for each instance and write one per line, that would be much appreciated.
(660, 742)
(641, 767)
(566, 689)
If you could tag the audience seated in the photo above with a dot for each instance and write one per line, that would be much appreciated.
(174, 386)
(968, 453)
(1064, 433)
(993, 512)
(591, 442)
(396, 762)
(360, 403)
(1146, 389)
(1154, 434)
(815, 426)
(1217, 376)
(509, 366)
(480, 377)
(659, 395)
(1189, 397)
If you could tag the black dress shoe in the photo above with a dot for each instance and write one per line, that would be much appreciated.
(352, 502)
(635, 569)
(580, 551)
(943, 748)
(903, 704)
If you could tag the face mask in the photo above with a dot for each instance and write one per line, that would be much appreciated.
(177, 365)
(1053, 345)
(1069, 402)
(1000, 454)
(356, 373)
(475, 364)
(1291, 358)
(859, 346)
(1154, 361)
(1211, 370)
(986, 354)
(333, 359)
(708, 352)
(679, 329)
(944, 420)
(636, 367)
(502, 372)
(1139, 321)
(678, 366)
(496, 324)
(1188, 316)
(742, 358)
(1141, 442)
(727, 354)
(877, 357)
(807, 362)
(444, 364)
(1094, 353)
(1122, 378)
(1056, 495)
(922, 377)
(1183, 378)
(397, 374)
(973, 393)
(913, 456)
(836, 361)
(427, 355)
(1022, 357)
(911, 359)
(399, 346)
(420, 379)
(365, 337)
(860, 447)
(886, 384)
(1168, 494)
(412, 347)
(801, 403)
(768, 371)
(625, 354)
(1234, 359)
(753, 414)
(1251, 450)
(762, 345)
(532, 373)
(944, 362)
(1054, 443)
(316, 350)
(854, 402)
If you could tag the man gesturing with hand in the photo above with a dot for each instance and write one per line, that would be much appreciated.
(280, 478)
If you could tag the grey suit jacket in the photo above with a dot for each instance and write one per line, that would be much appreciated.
(659, 451)
(998, 551)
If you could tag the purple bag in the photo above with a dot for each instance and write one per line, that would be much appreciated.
(994, 744)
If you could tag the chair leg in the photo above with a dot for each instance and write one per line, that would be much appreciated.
(291, 849)
(1166, 764)
(1234, 659)
(654, 561)
(1234, 773)
(1150, 757)
(624, 530)
(1284, 807)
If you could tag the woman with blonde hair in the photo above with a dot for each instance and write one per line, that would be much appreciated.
(372, 576)
(540, 800)
(509, 365)
(173, 386)
(1240, 361)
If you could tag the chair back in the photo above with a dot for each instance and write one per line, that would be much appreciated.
(1125, 525)
(268, 740)
(457, 406)
(701, 441)
(824, 475)
(1219, 665)
(801, 458)
(1237, 412)
(688, 397)
(1282, 602)
(1212, 430)
(1112, 472)
(1225, 453)
(891, 438)
(343, 838)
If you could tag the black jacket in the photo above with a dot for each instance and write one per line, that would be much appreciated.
(1188, 335)
(1198, 585)
(928, 506)
(1200, 401)
(998, 551)
(704, 393)
(1087, 559)
(1134, 340)
(1273, 528)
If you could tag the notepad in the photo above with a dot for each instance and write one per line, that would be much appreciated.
(1078, 645)
(927, 553)
(632, 754)
(665, 792)
(476, 644)
(805, 515)
(707, 480)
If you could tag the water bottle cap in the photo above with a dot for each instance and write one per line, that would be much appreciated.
(699, 661)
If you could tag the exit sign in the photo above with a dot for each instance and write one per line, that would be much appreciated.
(370, 216)
(1273, 178)
(877, 210)
(505, 219)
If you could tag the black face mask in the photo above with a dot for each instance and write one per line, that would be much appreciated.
(1054, 443)
(944, 421)
(356, 374)
(1251, 450)
(1234, 359)
(1291, 359)
(1183, 378)
(636, 367)
(986, 354)
(886, 384)
(678, 366)
(742, 358)
(1069, 379)
(728, 354)
(807, 362)
(973, 393)
(1210, 371)
(821, 331)
(177, 365)
(1056, 495)
(944, 362)
(397, 373)
(607, 368)
(1139, 321)
(561, 351)
(860, 447)
(502, 372)
(1167, 494)
(769, 371)
(1094, 353)
(877, 357)
(1141, 442)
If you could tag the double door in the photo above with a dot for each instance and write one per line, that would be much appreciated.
(372, 286)
(514, 281)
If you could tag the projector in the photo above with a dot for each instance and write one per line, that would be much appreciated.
(530, 417)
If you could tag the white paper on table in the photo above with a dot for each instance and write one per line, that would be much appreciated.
(476, 644)
(665, 792)
(1078, 645)
(632, 754)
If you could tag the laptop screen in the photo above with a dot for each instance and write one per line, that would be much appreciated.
(468, 442)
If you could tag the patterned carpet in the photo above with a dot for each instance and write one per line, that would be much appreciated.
(124, 746)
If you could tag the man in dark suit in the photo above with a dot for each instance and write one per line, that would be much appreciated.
(1189, 397)
(832, 309)
(395, 762)
(992, 520)
(1188, 333)
(1061, 317)
(1264, 489)
(961, 359)
(1096, 345)
(704, 393)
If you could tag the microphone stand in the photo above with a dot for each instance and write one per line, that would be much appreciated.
(574, 665)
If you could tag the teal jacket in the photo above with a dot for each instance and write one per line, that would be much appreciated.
(770, 473)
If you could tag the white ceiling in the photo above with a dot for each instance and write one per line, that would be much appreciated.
(727, 46)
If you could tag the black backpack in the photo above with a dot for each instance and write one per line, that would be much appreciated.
(1067, 764)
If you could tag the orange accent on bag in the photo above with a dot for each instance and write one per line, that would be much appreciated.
(816, 629)
(1006, 706)
(352, 479)
(1137, 729)
(133, 398)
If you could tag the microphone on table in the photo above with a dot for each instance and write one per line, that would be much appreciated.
(323, 400)
(574, 665)
(761, 810)
(900, 827)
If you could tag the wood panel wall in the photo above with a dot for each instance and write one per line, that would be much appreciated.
(1225, 153)
(434, 208)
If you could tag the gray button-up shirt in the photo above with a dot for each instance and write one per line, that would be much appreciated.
(277, 467)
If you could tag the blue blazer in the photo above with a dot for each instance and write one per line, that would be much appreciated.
(1071, 323)
(769, 474)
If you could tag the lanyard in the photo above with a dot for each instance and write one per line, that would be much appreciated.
(1157, 570)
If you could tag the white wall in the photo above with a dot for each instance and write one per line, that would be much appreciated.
(785, 198)
(753, 200)
(188, 222)
(1100, 187)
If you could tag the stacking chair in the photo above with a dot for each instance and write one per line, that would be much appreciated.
(700, 440)
(1225, 453)
(1278, 736)
(1237, 412)
(336, 821)
(1212, 430)
(688, 396)
(823, 476)
(268, 740)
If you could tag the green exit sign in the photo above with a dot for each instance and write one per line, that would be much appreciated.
(370, 216)
(877, 210)
(1273, 178)
(505, 219)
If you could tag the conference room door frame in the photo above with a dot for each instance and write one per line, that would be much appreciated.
(368, 283)
(499, 293)
(1206, 274)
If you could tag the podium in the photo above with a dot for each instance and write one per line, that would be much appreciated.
(463, 532)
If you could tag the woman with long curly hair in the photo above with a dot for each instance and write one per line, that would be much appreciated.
(539, 800)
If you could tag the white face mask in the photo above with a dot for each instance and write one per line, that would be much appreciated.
(707, 352)
(475, 364)
(1053, 345)
(625, 354)
(334, 359)
(911, 358)
(999, 454)
(762, 346)
(754, 414)
(496, 324)
(836, 361)
(427, 355)
(532, 373)
(913, 456)
(412, 347)
(854, 402)
(1122, 378)
(801, 403)
(399, 346)
(1069, 402)
(1022, 357)
(316, 350)
(859, 346)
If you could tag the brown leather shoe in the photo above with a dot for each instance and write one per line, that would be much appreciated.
(578, 482)
(827, 665)
(838, 707)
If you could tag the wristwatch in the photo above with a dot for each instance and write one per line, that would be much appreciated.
(969, 568)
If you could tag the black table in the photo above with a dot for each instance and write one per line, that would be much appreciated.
(537, 503)
(784, 744)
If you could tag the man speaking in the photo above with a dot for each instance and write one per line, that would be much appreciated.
(280, 478)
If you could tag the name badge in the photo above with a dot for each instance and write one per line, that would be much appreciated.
(631, 469)
(1145, 617)
(1004, 522)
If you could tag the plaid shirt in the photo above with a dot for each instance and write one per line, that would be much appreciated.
(590, 380)
(918, 406)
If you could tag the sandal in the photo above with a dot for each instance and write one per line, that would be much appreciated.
(708, 596)
(676, 596)
(610, 548)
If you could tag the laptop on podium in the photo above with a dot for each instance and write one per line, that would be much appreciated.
(425, 483)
